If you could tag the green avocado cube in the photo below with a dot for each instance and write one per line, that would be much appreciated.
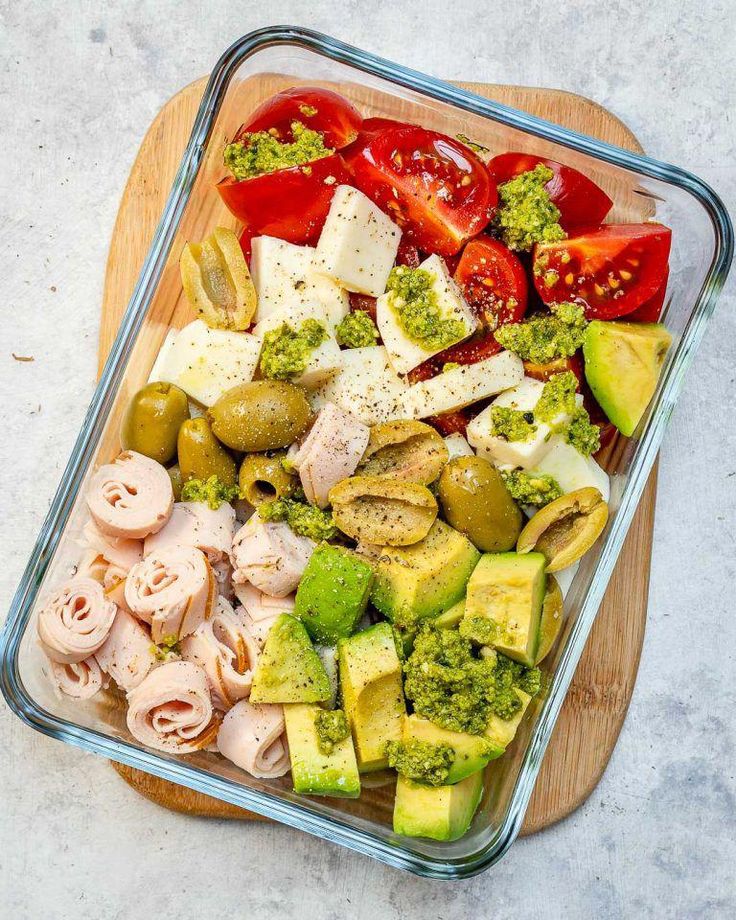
(501, 732)
(289, 670)
(424, 579)
(507, 590)
(471, 752)
(312, 771)
(437, 812)
(333, 593)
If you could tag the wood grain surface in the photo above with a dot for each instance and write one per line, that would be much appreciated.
(595, 708)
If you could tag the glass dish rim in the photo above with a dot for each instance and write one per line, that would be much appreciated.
(289, 813)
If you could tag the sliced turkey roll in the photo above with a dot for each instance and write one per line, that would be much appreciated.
(196, 524)
(131, 497)
(260, 611)
(270, 556)
(127, 654)
(116, 551)
(330, 453)
(228, 653)
(75, 621)
(80, 680)
(172, 590)
(253, 738)
(171, 709)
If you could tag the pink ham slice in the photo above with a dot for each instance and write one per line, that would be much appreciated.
(172, 590)
(196, 524)
(127, 654)
(171, 709)
(80, 680)
(75, 621)
(330, 453)
(227, 652)
(260, 611)
(130, 498)
(252, 737)
(270, 556)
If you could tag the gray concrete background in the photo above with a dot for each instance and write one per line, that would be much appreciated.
(79, 84)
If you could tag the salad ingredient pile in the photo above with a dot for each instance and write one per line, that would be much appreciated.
(331, 541)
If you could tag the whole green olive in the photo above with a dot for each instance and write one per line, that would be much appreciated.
(476, 502)
(152, 421)
(262, 478)
(260, 415)
(201, 455)
(176, 483)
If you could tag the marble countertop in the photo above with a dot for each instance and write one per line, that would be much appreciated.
(80, 83)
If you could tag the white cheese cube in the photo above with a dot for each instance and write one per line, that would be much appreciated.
(523, 454)
(457, 446)
(358, 243)
(366, 386)
(285, 279)
(565, 577)
(159, 363)
(324, 360)
(206, 362)
(464, 385)
(406, 354)
(572, 470)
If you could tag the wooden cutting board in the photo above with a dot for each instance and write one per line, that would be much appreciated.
(595, 708)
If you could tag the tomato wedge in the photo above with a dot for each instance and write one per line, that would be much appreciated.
(544, 371)
(322, 110)
(363, 302)
(581, 202)
(434, 187)
(493, 281)
(408, 254)
(291, 204)
(613, 269)
(650, 311)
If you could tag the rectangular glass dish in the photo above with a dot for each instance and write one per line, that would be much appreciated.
(255, 67)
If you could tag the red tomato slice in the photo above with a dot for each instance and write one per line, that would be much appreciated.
(363, 302)
(322, 110)
(434, 187)
(650, 311)
(408, 254)
(493, 281)
(580, 200)
(291, 204)
(614, 269)
(450, 422)
(558, 366)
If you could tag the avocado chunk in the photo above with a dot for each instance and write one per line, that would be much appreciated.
(424, 579)
(451, 618)
(504, 603)
(372, 693)
(437, 812)
(289, 670)
(313, 772)
(501, 732)
(333, 593)
(622, 366)
(470, 752)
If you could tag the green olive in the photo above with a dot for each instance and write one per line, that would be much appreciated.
(261, 415)
(263, 478)
(176, 483)
(476, 502)
(201, 455)
(389, 512)
(565, 529)
(550, 623)
(152, 421)
(406, 450)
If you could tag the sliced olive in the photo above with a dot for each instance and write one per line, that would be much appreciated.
(384, 511)
(565, 529)
(176, 481)
(263, 478)
(201, 455)
(261, 415)
(476, 502)
(152, 421)
(404, 450)
(550, 623)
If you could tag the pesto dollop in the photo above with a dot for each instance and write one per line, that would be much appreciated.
(332, 727)
(422, 761)
(547, 337)
(583, 434)
(526, 214)
(286, 351)
(414, 301)
(558, 396)
(212, 490)
(357, 330)
(531, 488)
(260, 152)
(304, 519)
(512, 424)
(167, 649)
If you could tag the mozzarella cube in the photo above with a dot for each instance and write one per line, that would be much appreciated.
(523, 454)
(464, 385)
(457, 446)
(206, 362)
(159, 363)
(366, 386)
(405, 353)
(324, 360)
(572, 470)
(285, 279)
(358, 244)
